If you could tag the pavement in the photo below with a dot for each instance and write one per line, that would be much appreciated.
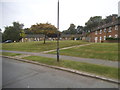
(78, 59)
(17, 74)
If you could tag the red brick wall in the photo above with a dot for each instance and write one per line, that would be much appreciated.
(113, 32)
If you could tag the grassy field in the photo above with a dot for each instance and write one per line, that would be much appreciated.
(85, 67)
(38, 46)
(105, 51)
(10, 54)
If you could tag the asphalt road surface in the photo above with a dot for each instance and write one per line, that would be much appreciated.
(18, 74)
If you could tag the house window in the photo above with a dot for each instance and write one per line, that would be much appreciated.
(95, 32)
(105, 30)
(100, 38)
(100, 31)
(110, 36)
(116, 36)
(110, 29)
(104, 37)
(96, 39)
(116, 27)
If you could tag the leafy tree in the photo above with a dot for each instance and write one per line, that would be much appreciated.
(98, 21)
(109, 18)
(44, 28)
(22, 33)
(93, 22)
(71, 30)
(28, 31)
(80, 29)
(14, 33)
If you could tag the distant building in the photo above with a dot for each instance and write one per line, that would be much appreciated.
(32, 37)
(100, 33)
(40, 37)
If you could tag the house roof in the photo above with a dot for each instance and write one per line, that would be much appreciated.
(117, 22)
(34, 36)
(71, 35)
(62, 35)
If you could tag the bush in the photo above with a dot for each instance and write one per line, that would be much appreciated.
(111, 38)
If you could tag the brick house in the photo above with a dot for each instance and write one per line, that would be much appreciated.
(32, 37)
(102, 32)
(40, 37)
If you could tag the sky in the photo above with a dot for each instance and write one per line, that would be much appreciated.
(30, 12)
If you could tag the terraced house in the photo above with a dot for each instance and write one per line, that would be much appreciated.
(108, 30)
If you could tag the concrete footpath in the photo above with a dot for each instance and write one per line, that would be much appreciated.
(63, 57)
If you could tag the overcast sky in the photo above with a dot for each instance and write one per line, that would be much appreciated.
(78, 12)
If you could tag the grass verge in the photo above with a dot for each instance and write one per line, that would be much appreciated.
(38, 46)
(10, 54)
(85, 67)
(105, 51)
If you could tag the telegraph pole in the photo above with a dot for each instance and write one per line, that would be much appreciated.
(58, 32)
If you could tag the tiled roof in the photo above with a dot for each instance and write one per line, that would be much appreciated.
(107, 25)
(71, 35)
(34, 36)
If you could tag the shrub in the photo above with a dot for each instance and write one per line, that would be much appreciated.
(111, 38)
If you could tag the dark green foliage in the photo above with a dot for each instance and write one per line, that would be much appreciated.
(13, 32)
(93, 22)
(111, 38)
(71, 30)
(28, 31)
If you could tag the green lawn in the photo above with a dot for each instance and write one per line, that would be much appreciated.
(105, 51)
(9, 54)
(85, 67)
(39, 46)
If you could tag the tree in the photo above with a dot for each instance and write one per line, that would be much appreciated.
(110, 18)
(28, 31)
(44, 28)
(93, 22)
(79, 29)
(71, 30)
(14, 33)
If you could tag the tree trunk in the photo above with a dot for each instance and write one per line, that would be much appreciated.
(44, 39)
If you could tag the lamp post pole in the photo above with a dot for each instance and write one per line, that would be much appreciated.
(58, 32)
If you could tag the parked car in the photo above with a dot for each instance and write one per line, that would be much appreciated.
(8, 41)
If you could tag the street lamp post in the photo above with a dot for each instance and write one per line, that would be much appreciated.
(58, 33)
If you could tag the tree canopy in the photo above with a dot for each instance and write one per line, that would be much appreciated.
(93, 22)
(70, 30)
(44, 28)
(14, 33)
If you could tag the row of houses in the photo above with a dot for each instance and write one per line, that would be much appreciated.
(110, 30)
(98, 34)
(40, 37)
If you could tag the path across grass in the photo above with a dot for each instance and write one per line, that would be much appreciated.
(38, 46)
(105, 51)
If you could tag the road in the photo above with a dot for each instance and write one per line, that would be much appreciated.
(18, 74)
